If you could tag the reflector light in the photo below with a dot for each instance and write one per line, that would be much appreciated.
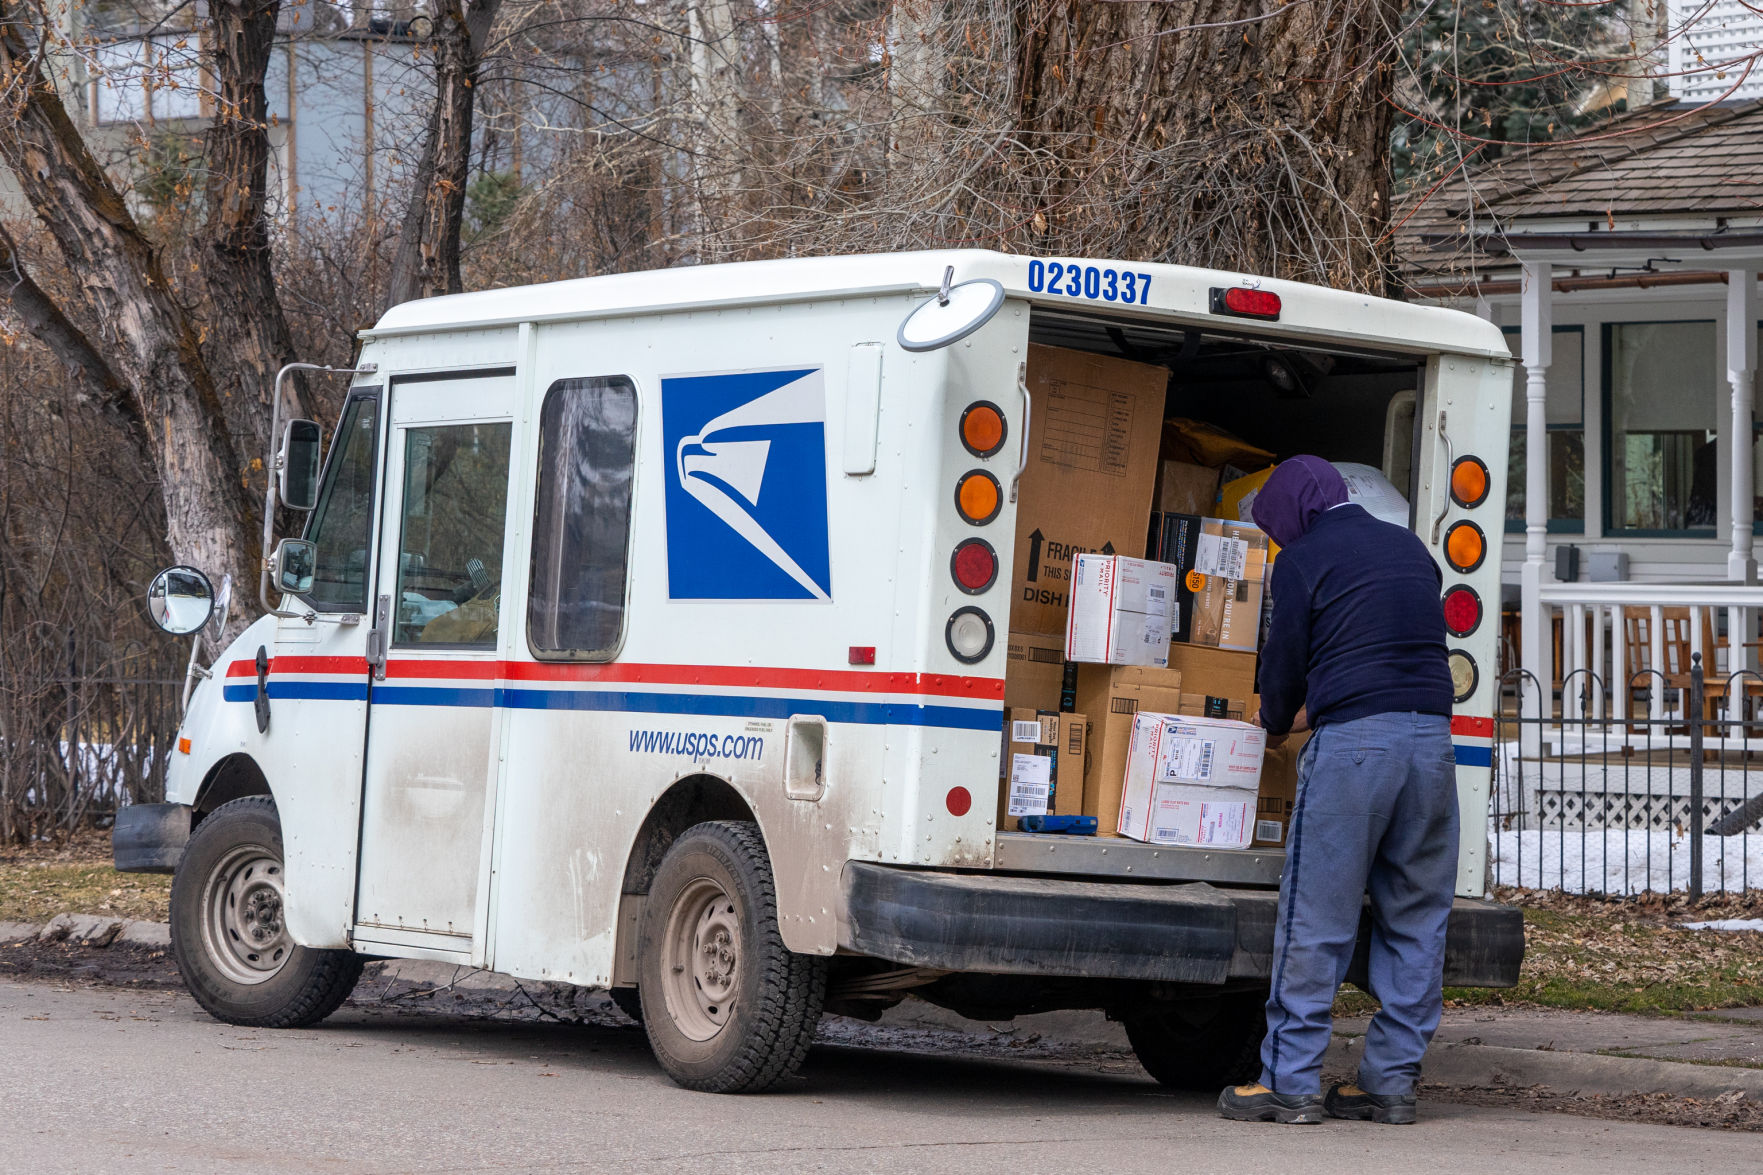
(1465, 546)
(1469, 481)
(978, 497)
(974, 566)
(1244, 302)
(183, 746)
(1462, 610)
(982, 429)
(969, 635)
(1464, 675)
(959, 801)
(862, 655)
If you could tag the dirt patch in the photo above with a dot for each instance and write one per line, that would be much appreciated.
(119, 965)
(74, 875)
(1730, 1112)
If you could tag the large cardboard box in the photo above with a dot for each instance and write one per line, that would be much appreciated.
(1111, 695)
(1119, 611)
(1192, 781)
(1043, 765)
(1278, 793)
(1223, 565)
(1034, 670)
(1186, 489)
(1215, 673)
(1092, 462)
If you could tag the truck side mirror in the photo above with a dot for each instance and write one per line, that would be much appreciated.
(180, 600)
(297, 484)
(292, 566)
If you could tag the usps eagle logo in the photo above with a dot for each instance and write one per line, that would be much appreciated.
(746, 487)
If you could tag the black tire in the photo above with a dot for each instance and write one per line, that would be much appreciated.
(283, 985)
(629, 1001)
(759, 1035)
(1202, 1043)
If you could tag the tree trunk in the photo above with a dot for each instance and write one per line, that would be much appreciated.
(1259, 145)
(146, 331)
(427, 260)
(249, 336)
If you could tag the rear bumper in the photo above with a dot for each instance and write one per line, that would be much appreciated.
(1192, 933)
(150, 838)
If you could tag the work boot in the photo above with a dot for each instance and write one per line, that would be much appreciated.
(1257, 1103)
(1355, 1105)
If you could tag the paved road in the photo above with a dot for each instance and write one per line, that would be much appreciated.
(104, 1079)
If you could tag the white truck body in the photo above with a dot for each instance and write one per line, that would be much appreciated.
(791, 501)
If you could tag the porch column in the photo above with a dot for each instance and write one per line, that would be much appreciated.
(1741, 371)
(1536, 351)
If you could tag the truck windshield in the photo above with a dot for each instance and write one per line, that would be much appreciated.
(341, 523)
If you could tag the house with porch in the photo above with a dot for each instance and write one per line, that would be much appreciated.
(1623, 267)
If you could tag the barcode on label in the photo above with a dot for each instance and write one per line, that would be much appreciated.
(1271, 830)
(1025, 732)
(1157, 593)
(1217, 555)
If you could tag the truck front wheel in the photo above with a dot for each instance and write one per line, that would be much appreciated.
(1201, 1043)
(727, 1007)
(229, 932)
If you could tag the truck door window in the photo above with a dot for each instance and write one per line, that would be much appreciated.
(581, 533)
(450, 534)
(342, 523)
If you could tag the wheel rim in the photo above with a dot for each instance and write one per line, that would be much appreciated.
(701, 959)
(243, 928)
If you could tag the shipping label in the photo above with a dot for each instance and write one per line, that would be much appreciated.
(1224, 557)
(1031, 785)
(1185, 756)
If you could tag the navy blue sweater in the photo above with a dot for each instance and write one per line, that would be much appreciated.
(1358, 626)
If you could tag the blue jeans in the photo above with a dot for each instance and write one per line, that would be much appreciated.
(1376, 812)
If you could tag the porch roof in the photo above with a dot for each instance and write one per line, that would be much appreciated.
(1671, 175)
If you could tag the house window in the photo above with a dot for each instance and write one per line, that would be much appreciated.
(1564, 415)
(1661, 417)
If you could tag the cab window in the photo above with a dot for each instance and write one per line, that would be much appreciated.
(453, 512)
(342, 524)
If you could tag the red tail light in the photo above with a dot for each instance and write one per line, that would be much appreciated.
(1462, 610)
(1244, 302)
(975, 566)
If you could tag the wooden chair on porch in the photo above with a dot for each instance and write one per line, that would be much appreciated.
(1674, 674)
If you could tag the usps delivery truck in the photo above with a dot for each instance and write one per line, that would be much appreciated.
(626, 646)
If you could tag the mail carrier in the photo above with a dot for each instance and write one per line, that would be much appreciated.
(651, 633)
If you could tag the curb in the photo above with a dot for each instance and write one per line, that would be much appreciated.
(92, 930)
(1491, 1066)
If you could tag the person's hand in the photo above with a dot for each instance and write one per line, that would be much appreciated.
(1276, 741)
(1301, 723)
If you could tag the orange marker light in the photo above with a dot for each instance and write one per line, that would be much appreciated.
(183, 746)
(1469, 481)
(1465, 546)
(978, 497)
(982, 429)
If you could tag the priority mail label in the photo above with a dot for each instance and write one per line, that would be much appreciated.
(1185, 756)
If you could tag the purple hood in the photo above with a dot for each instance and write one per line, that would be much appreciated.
(1296, 493)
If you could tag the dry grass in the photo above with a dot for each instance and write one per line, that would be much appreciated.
(40, 881)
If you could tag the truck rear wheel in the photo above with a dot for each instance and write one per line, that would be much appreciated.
(727, 1007)
(229, 933)
(1202, 1043)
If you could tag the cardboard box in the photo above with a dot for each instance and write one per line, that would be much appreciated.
(1043, 765)
(1191, 781)
(1034, 670)
(1119, 611)
(1278, 793)
(1215, 673)
(1186, 489)
(1093, 438)
(1223, 565)
(1112, 695)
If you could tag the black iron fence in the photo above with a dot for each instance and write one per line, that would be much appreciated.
(1653, 786)
(76, 746)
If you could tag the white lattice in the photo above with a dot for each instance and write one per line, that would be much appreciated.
(1711, 47)
(1623, 810)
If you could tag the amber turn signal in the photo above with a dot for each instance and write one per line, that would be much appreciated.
(1469, 481)
(1465, 546)
(978, 497)
(982, 429)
